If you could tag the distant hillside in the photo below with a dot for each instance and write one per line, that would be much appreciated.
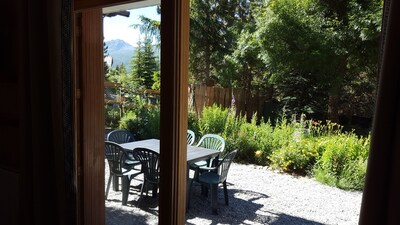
(121, 52)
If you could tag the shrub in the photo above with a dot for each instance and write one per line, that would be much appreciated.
(343, 161)
(246, 142)
(143, 123)
(283, 133)
(112, 116)
(213, 120)
(232, 129)
(264, 139)
(193, 124)
(298, 157)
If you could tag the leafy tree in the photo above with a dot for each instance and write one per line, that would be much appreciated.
(243, 68)
(211, 37)
(320, 41)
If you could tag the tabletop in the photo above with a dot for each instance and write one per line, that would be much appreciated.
(194, 153)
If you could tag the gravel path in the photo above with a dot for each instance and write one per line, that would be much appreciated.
(257, 195)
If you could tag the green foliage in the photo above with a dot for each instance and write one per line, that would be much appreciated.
(213, 33)
(294, 144)
(157, 81)
(297, 156)
(193, 124)
(316, 48)
(144, 65)
(143, 122)
(112, 116)
(343, 161)
(246, 142)
(213, 120)
(232, 129)
(282, 134)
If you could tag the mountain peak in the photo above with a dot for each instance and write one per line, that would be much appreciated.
(121, 52)
(118, 44)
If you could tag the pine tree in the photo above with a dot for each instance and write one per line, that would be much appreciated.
(144, 64)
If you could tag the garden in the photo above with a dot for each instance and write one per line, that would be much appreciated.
(316, 59)
(295, 145)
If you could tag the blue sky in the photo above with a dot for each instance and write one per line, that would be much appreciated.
(118, 27)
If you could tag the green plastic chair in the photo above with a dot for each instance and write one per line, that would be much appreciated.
(210, 141)
(215, 176)
(150, 161)
(190, 137)
(120, 136)
(120, 165)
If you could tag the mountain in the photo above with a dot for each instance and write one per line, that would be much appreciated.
(121, 52)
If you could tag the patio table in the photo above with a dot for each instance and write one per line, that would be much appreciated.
(194, 154)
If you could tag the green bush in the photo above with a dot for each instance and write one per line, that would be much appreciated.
(298, 157)
(293, 144)
(232, 129)
(193, 124)
(264, 140)
(282, 134)
(143, 122)
(246, 142)
(213, 120)
(112, 116)
(343, 161)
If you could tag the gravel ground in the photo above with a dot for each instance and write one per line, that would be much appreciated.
(257, 195)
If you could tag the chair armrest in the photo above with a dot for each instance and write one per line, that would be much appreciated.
(208, 168)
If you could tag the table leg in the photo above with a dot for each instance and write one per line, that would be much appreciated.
(187, 187)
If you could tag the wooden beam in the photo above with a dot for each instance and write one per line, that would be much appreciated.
(89, 113)
(174, 100)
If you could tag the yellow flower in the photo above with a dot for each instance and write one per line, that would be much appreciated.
(258, 153)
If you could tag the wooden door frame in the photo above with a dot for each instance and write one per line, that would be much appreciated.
(89, 110)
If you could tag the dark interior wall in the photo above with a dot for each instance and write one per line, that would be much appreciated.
(31, 163)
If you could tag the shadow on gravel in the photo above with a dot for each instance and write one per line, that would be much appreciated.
(243, 209)
(283, 219)
(117, 216)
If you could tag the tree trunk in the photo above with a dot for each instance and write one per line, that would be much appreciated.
(333, 108)
(207, 69)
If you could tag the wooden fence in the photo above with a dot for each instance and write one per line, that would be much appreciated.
(245, 102)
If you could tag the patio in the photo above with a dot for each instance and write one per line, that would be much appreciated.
(257, 195)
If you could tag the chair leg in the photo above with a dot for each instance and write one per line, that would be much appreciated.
(141, 192)
(154, 191)
(214, 200)
(108, 185)
(116, 183)
(204, 190)
(125, 189)
(189, 195)
(226, 193)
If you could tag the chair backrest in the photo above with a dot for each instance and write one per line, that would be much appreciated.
(190, 137)
(150, 161)
(116, 156)
(212, 141)
(120, 136)
(106, 132)
(225, 164)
